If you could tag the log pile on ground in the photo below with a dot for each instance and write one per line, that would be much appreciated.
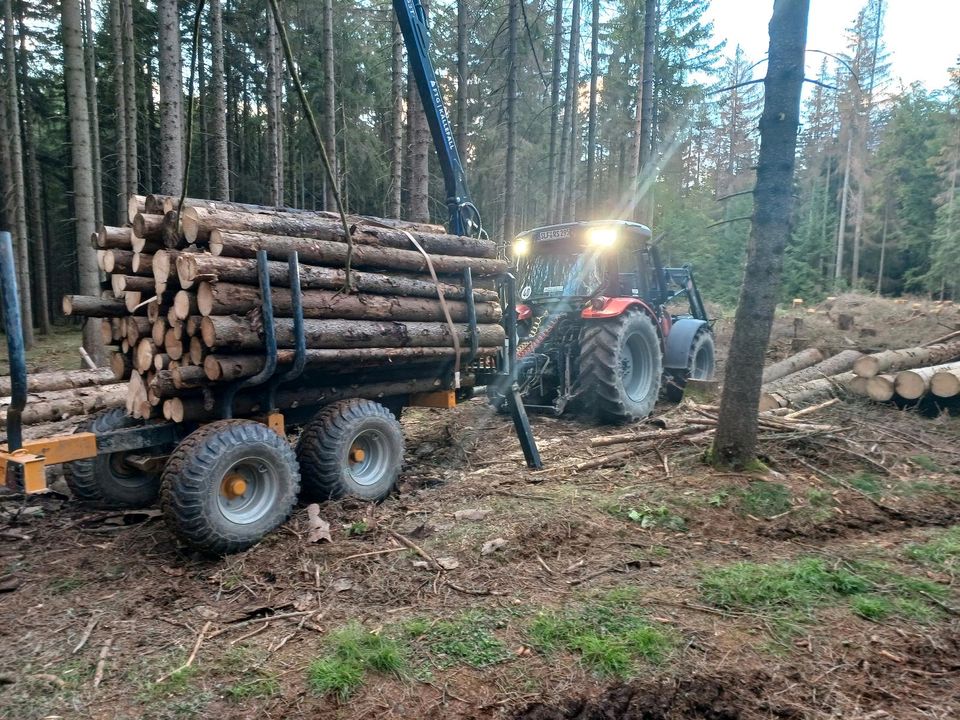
(181, 304)
(931, 371)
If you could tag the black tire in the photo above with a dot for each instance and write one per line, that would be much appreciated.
(328, 446)
(701, 364)
(106, 481)
(620, 367)
(202, 474)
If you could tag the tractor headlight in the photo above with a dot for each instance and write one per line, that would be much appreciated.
(521, 247)
(602, 236)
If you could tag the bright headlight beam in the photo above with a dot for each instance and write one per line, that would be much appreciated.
(602, 236)
(521, 247)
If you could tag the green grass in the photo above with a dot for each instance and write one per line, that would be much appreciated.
(867, 483)
(467, 639)
(942, 551)
(353, 652)
(791, 591)
(925, 462)
(765, 499)
(609, 635)
(257, 686)
(648, 516)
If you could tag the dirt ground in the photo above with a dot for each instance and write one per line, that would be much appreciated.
(822, 585)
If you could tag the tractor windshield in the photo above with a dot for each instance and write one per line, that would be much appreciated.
(544, 275)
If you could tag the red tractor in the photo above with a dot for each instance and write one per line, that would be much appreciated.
(602, 325)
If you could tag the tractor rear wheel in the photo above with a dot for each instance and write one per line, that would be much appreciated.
(228, 484)
(620, 367)
(701, 364)
(353, 447)
(108, 481)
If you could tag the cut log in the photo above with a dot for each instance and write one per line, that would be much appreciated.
(235, 299)
(188, 377)
(196, 267)
(135, 283)
(118, 261)
(834, 365)
(905, 359)
(108, 330)
(143, 355)
(881, 388)
(914, 384)
(231, 333)
(235, 367)
(120, 365)
(63, 380)
(808, 392)
(136, 328)
(149, 227)
(945, 384)
(62, 404)
(185, 303)
(792, 364)
(87, 306)
(161, 361)
(199, 223)
(108, 238)
(142, 264)
(135, 204)
(333, 253)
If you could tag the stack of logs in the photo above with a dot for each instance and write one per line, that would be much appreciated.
(931, 371)
(182, 306)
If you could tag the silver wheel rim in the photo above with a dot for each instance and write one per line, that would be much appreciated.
(702, 363)
(368, 457)
(635, 368)
(247, 491)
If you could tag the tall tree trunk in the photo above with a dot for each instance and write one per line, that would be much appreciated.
(555, 73)
(592, 121)
(419, 138)
(883, 247)
(171, 98)
(566, 130)
(329, 102)
(274, 127)
(842, 224)
(736, 437)
(509, 197)
(462, 84)
(130, 98)
(147, 128)
(396, 122)
(120, 110)
(76, 87)
(41, 304)
(221, 164)
(90, 65)
(646, 103)
(17, 190)
(203, 120)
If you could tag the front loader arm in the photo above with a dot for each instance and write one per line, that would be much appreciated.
(464, 218)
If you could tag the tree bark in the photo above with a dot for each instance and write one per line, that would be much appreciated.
(92, 306)
(394, 209)
(120, 111)
(569, 124)
(37, 231)
(792, 364)
(232, 334)
(462, 78)
(63, 404)
(736, 438)
(62, 380)
(807, 392)
(842, 223)
(221, 164)
(329, 103)
(555, 74)
(592, 117)
(171, 98)
(419, 138)
(650, 13)
(273, 102)
(914, 384)
(510, 180)
(93, 110)
(870, 365)
(17, 190)
(839, 363)
(130, 100)
(80, 157)
(235, 299)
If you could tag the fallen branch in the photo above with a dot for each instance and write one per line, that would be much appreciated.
(193, 654)
(87, 631)
(102, 662)
(417, 549)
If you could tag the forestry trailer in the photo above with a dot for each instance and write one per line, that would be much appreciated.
(602, 324)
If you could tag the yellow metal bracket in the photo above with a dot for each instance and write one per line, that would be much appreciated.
(438, 399)
(275, 422)
(36, 454)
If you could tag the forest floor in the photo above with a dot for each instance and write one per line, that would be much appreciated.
(824, 587)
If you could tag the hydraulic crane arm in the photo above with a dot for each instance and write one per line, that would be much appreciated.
(464, 217)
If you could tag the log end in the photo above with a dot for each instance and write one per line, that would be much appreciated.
(880, 388)
(190, 224)
(866, 367)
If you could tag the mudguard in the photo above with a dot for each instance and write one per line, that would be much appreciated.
(676, 353)
(612, 307)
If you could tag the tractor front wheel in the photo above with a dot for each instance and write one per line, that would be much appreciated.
(228, 484)
(620, 367)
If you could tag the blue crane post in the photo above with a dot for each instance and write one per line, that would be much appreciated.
(416, 36)
(15, 349)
